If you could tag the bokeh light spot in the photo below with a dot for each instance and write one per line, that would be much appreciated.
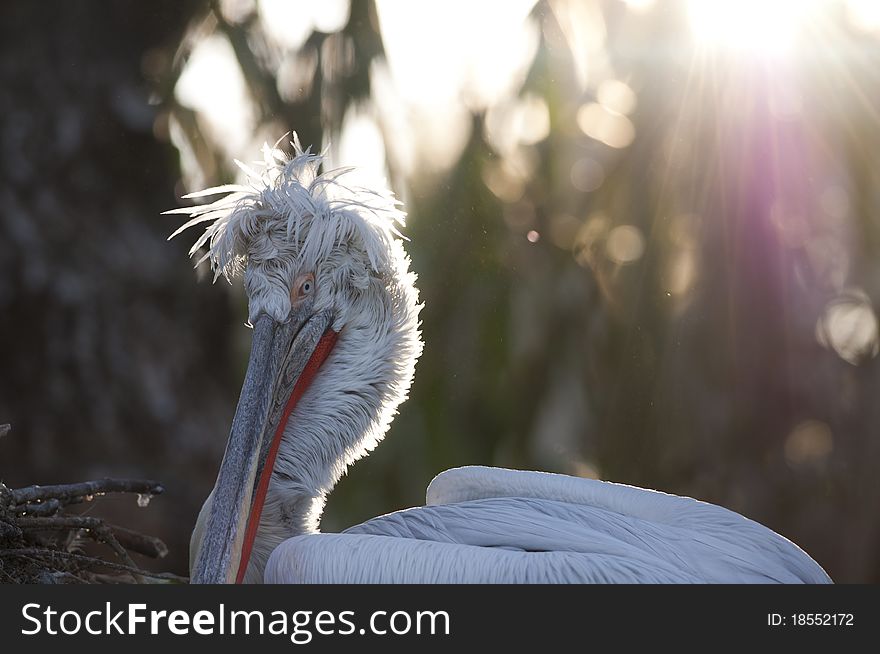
(625, 244)
(849, 327)
(616, 96)
(809, 443)
(213, 85)
(608, 127)
(681, 272)
(639, 6)
(589, 238)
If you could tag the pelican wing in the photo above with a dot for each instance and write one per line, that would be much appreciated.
(488, 525)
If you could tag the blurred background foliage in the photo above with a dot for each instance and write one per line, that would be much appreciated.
(646, 234)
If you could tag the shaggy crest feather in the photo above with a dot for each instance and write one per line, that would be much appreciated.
(289, 208)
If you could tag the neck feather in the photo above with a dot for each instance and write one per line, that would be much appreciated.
(345, 412)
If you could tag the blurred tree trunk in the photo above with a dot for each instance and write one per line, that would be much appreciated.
(113, 360)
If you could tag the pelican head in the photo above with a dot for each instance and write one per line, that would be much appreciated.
(334, 311)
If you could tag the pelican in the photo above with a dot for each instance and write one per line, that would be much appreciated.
(335, 317)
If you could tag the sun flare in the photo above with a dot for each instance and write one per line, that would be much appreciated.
(766, 28)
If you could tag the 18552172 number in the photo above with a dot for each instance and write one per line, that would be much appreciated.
(810, 620)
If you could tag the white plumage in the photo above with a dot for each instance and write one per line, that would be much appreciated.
(482, 525)
(490, 525)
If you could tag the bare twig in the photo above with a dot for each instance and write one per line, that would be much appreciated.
(94, 526)
(46, 508)
(30, 552)
(83, 489)
(59, 523)
(140, 543)
(26, 512)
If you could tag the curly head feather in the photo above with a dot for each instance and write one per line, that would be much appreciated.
(291, 217)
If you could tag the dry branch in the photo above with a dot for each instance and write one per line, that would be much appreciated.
(84, 489)
(140, 543)
(87, 561)
(28, 515)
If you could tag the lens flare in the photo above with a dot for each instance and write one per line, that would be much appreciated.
(767, 28)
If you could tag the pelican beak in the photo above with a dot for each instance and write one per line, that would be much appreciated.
(283, 361)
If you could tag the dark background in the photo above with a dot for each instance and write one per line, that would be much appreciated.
(670, 285)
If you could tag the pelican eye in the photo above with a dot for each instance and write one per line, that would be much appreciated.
(303, 286)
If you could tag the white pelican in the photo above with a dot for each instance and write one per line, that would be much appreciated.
(336, 336)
